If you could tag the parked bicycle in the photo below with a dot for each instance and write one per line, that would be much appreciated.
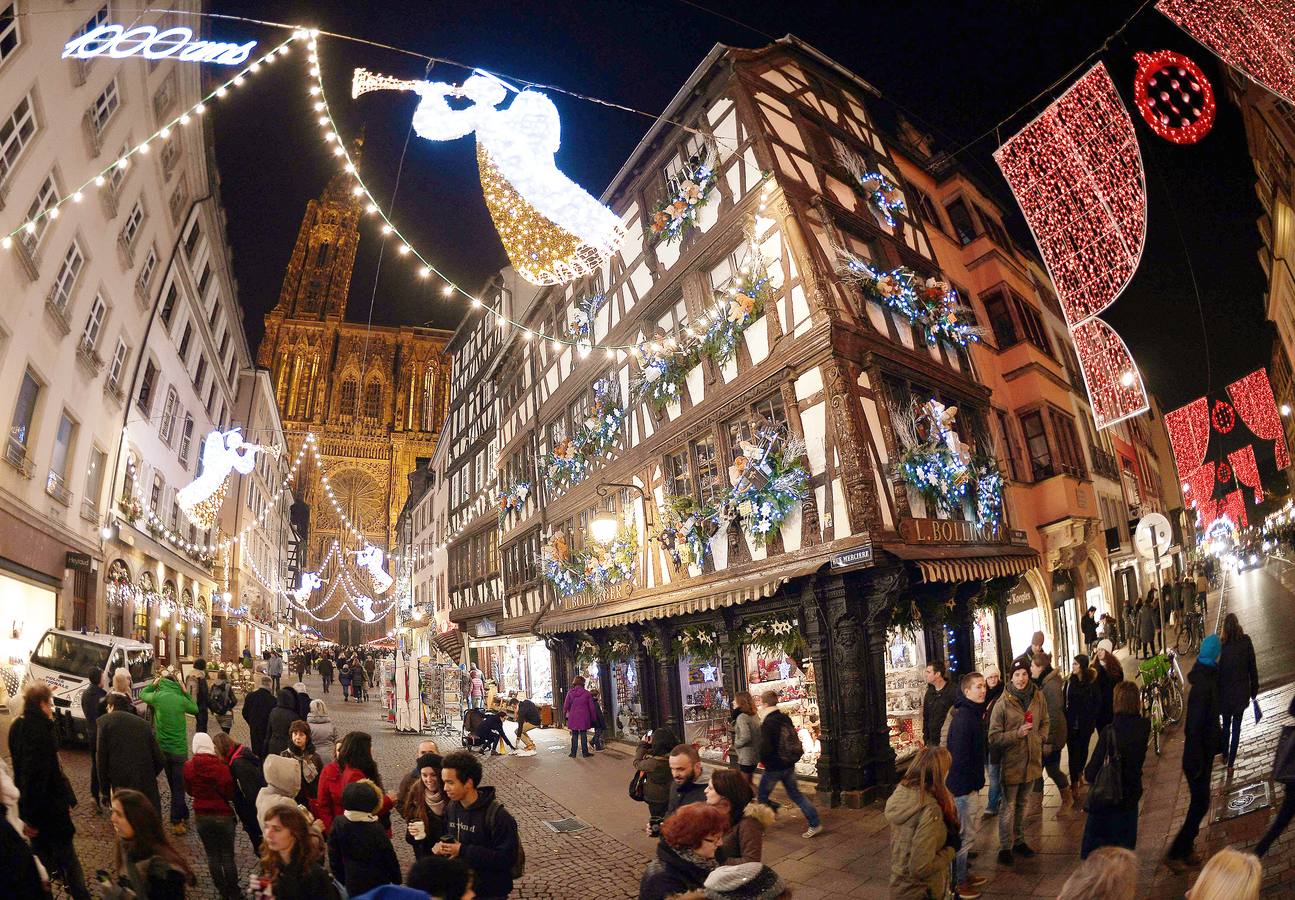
(1191, 633)
(1162, 693)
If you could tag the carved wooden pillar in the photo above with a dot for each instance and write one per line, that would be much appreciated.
(850, 437)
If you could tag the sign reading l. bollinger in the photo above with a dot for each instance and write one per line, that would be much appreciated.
(119, 42)
(948, 531)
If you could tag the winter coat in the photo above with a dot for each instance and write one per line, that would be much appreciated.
(1238, 675)
(919, 855)
(935, 706)
(282, 783)
(211, 785)
(490, 852)
(311, 765)
(170, 704)
(1022, 756)
(248, 775)
(746, 739)
(770, 729)
(966, 744)
(528, 713)
(1083, 702)
(1089, 627)
(692, 792)
(1202, 736)
(256, 712)
(1054, 690)
(325, 667)
(328, 796)
(281, 719)
(991, 699)
(303, 705)
(656, 787)
(578, 709)
(670, 874)
(1131, 736)
(163, 879)
(1148, 622)
(128, 755)
(744, 842)
(45, 795)
(91, 705)
(1107, 677)
(322, 736)
(298, 883)
(274, 667)
(360, 855)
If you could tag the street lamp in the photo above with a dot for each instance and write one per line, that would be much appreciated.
(1286, 409)
(604, 526)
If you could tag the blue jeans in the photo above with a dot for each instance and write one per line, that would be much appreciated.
(995, 787)
(966, 804)
(581, 737)
(175, 779)
(787, 777)
(1232, 733)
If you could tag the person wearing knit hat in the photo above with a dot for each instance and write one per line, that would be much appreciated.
(994, 684)
(1109, 674)
(360, 854)
(208, 781)
(1202, 741)
(747, 881)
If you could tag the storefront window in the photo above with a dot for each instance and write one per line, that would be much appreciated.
(905, 662)
(797, 689)
(540, 672)
(706, 706)
(627, 699)
(984, 639)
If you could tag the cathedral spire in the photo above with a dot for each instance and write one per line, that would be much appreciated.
(340, 185)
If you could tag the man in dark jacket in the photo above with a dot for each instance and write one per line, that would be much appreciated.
(1089, 625)
(528, 717)
(45, 796)
(686, 785)
(280, 723)
(91, 698)
(966, 744)
(256, 712)
(325, 666)
(936, 703)
(1202, 741)
(129, 755)
(485, 832)
(779, 752)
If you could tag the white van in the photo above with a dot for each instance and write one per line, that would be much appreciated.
(64, 659)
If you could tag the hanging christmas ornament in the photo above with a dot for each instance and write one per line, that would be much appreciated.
(1225, 419)
(1224, 474)
(1174, 96)
(223, 452)
(551, 228)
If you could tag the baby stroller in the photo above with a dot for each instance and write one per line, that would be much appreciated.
(472, 717)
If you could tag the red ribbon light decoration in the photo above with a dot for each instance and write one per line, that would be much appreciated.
(1252, 36)
(1253, 398)
(1174, 96)
(1077, 174)
(1247, 472)
(1223, 417)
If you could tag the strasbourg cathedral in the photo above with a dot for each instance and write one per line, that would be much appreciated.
(374, 397)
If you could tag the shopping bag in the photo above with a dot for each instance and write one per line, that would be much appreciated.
(637, 784)
(1107, 790)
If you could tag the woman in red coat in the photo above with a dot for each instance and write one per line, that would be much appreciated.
(208, 781)
(354, 762)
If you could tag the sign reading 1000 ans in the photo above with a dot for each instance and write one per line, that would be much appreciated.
(118, 42)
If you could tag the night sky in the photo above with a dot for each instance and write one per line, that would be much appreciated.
(954, 75)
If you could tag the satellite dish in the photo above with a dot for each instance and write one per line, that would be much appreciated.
(1153, 535)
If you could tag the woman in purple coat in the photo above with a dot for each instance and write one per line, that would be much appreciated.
(578, 709)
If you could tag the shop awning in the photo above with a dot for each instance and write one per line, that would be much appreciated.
(688, 599)
(966, 563)
(449, 642)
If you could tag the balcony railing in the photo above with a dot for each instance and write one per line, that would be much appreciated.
(89, 359)
(16, 455)
(1104, 464)
(55, 487)
(89, 510)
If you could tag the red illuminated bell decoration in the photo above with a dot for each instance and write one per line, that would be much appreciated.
(1174, 96)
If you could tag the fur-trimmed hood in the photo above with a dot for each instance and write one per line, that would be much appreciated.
(761, 812)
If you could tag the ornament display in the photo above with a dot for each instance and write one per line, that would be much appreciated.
(1189, 435)
(512, 500)
(595, 568)
(571, 458)
(1252, 36)
(1174, 96)
(932, 306)
(1223, 417)
(935, 462)
(1224, 473)
(689, 189)
(223, 452)
(552, 230)
(1077, 174)
(664, 365)
(685, 528)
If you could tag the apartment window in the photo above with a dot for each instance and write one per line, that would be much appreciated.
(16, 131)
(926, 208)
(964, 227)
(104, 106)
(130, 230)
(678, 474)
(211, 398)
(993, 229)
(167, 428)
(10, 36)
(146, 270)
(117, 174)
(224, 343)
(707, 465)
(231, 370)
(1031, 323)
(191, 239)
(215, 311)
(204, 279)
(200, 374)
(55, 485)
(65, 280)
(164, 99)
(170, 153)
(94, 478)
(768, 411)
(168, 305)
(23, 415)
(1009, 445)
(145, 397)
(186, 337)
(94, 323)
(1069, 452)
(1036, 444)
(118, 365)
(179, 197)
(45, 199)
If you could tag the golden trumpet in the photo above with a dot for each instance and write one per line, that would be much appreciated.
(364, 81)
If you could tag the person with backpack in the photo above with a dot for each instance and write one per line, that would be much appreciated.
(222, 700)
(211, 785)
(360, 854)
(652, 759)
(170, 705)
(199, 689)
(1113, 816)
(966, 744)
(780, 750)
(484, 832)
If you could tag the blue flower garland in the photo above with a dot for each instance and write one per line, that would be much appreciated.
(689, 191)
(595, 567)
(745, 305)
(581, 328)
(571, 460)
(513, 499)
(933, 306)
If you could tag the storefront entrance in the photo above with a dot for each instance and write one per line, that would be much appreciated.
(27, 609)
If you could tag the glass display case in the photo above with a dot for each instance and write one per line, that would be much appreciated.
(706, 707)
(984, 639)
(905, 665)
(797, 689)
(627, 699)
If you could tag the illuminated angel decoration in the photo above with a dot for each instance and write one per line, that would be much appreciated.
(371, 558)
(310, 582)
(222, 454)
(551, 228)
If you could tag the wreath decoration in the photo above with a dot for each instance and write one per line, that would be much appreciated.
(586, 653)
(689, 189)
(572, 458)
(932, 306)
(773, 634)
(594, 568)
(696, 641)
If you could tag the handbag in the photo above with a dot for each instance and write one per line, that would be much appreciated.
(1284, 761)
(1107, 790)
(637, 786)
(1258, 712)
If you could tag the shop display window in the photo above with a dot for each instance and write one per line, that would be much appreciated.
(984, 639)
(540, 670)
(627, 699)
(905, 683)
(797, 688)
(706, 707)
(1021, 627)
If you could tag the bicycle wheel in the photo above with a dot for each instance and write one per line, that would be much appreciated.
(1184, 642)
(1172, 701)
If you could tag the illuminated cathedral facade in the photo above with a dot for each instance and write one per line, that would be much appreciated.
(373, 396)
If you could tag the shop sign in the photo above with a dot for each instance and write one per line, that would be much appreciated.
(856, 556)
(946, 531)
(79, 562)
(1020, 597)
(1019, 537)
(485, 628)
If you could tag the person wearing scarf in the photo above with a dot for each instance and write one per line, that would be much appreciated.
(360, 854)
(424, 806)
(1017, 727)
